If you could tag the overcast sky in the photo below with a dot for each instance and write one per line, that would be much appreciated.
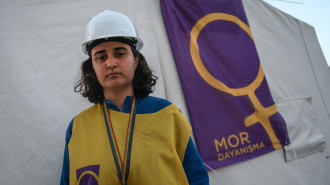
(314, 12)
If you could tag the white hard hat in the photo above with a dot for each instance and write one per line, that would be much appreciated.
(109, 24)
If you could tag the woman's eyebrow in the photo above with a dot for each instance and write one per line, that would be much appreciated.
(101, 51)
(119, 48)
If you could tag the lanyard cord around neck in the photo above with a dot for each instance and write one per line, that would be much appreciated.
(122, 164)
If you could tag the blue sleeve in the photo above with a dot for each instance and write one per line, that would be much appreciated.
(65, 176)
(193, 166)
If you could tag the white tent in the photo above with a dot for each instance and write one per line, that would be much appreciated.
(40, 56)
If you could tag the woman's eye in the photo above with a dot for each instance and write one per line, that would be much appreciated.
(100, 58)
(120, 54)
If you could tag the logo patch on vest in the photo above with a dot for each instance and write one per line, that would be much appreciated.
(88, 175)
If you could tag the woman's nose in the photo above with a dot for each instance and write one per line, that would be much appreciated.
(111, 64)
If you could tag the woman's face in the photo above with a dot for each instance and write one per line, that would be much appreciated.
(114, 65)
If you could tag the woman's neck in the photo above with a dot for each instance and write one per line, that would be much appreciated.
(118, 98)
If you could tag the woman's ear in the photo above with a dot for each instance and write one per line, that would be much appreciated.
(136, 61)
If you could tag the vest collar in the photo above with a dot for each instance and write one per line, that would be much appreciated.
(126, 106)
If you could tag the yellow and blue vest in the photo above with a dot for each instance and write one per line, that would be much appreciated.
(162, 150)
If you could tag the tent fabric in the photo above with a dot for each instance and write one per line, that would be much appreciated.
(317, 63)
(283, 50)
(40, 56)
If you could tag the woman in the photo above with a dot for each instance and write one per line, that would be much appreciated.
(127, 137)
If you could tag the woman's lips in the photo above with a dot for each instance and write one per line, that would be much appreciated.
(112, 75)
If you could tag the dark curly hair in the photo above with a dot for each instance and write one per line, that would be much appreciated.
(89, 87)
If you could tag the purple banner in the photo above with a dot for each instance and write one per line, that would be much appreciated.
(231, 109)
